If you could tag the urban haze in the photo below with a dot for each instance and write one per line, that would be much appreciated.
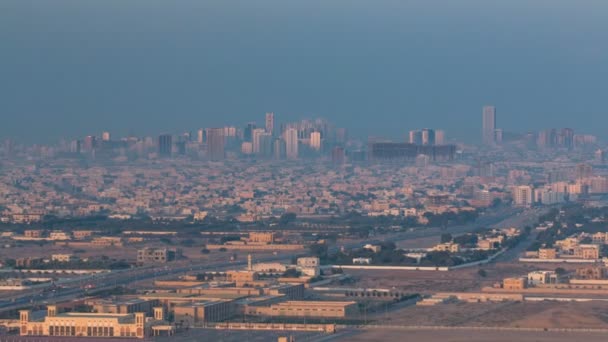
(303, 170)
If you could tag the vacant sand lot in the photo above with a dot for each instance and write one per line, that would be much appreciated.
(472, 336)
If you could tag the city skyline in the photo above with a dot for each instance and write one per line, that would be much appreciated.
(270, 170)
(450, 60)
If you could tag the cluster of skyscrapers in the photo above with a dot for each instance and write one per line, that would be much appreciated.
(289, 142)
(427, 137)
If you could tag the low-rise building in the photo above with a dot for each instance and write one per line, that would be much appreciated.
(63, 257)
(242, 278)
(587, 251)
(261, 237)
(123, 306)
(591, 273)
(33, 233)
(59, 235)
(82, 234)
(207, 311)
(519, 283)
(362, 261)
(447, 247)
(149, 255)
(542, 277)
(547, 253)
(308, 309)
(107, 241)
(84, 324)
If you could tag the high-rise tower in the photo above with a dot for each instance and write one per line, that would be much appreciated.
(488, 131)
(270, 122)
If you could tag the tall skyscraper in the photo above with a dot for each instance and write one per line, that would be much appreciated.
(315, 141)
(199, 136)
(415, 137)
(215, 143)
(90, 142)
(568, 137)
(428, 136)
(291, 143)
(265, 145)
(255, 139)
(105, 136)
(165, 145)
(248, 132)
(270, 122)
(439, 137)
(337, 155)
(279, 148)
(488, 125)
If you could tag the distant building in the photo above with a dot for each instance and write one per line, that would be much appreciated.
(447, 247)
(405, 152)
(248, 132)
(291, 143)
(105, 136)
(338, 155)
(542, 277)
(440, 137)
(587, 252)
(428, 136)
(523, 195)
(315, 141)
(488, 125)
(591, 273)
(203, 311)
(415, 137)
(261, 237)
(215, 144)
(279, 148)
(63, 257)
(514, 283)
(270, 122)
(547, 253)
(151, 255)
(255, 137)
(84, 324)
(322, 309)
(165, 145)
(123, 306)
(362, 261)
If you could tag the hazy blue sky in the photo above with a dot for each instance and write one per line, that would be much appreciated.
(377, 67)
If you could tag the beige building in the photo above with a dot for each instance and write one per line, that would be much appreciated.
(63, 257)
(33, 233)
(107, 241)
(591, 273)
(447, 247)
(82, 234)
(123, 307)
(514, 283)
(262, 237)
(242, 278)
(84, 324)
(208, 311)
(547, 253)
(587, 251)
(308, 309)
